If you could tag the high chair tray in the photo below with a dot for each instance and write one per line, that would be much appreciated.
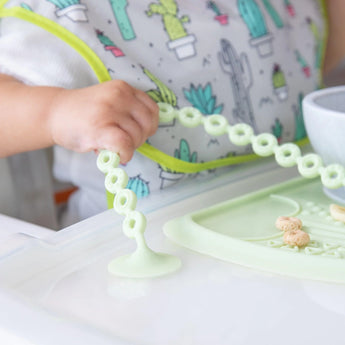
(243, 231)
(58, 290)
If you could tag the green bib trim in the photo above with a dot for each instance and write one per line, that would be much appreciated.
(102, 75)
(180, 166)
(74, 41)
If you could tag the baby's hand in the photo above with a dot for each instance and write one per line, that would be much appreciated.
(112, 115)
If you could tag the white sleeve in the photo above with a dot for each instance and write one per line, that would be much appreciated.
(37, 57)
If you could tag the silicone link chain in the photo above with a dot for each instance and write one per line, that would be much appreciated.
(143, 262)
(125, 200)
(265, 144)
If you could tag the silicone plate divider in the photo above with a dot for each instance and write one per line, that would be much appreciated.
(243, 231)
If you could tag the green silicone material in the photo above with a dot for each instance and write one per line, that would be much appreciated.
(144, 262)
(264, 144)
(139, 264)
(243, 231)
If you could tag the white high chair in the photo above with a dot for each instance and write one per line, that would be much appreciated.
(26, 188)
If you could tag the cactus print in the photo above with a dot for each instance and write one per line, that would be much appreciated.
(247, 60)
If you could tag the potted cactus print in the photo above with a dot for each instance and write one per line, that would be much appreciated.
(162, 94)
(72, 9)
(273, 13)
(221, 18)
(139, 186)
(303, 63)
(109, 44)
(180, 41)
(202, 99)
(119, 8)
(289, 7)
(261, 39)
(238, 69)
(279, 83)
(183, 153)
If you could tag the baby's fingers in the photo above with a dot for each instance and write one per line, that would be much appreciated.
(137, 133)
(117, 140)
(146, 113)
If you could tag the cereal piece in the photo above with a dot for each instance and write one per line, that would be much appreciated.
(297, 238)
(337, 212)
(288, 223)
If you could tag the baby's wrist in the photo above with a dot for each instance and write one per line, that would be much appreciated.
(54, 119)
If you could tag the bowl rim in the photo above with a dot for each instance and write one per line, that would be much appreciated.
(309, 100)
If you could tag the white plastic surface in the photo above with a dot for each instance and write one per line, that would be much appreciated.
(60, 289)
(15, 233)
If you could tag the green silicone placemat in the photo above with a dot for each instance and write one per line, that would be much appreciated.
(243, 231)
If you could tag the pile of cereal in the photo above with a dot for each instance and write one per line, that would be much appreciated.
(293, 235)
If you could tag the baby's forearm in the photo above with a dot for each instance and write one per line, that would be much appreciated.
(112, 115)
(24, 116)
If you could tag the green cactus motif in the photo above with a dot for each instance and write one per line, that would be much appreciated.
(169, 11)
(279, 83)
(122, 19)
(212, 5)
(300, 131)
(109, 44)
(253, 17)
(273, 13)
(184, 153)
(318, 42)
(139, 186)
(163, 94)
(222, 18)
(277, 129)
(202, 99)
(278, 77)
(303, 63)
(105, 40)
(289, 7)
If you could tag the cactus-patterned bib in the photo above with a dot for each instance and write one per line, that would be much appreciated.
(249, 60)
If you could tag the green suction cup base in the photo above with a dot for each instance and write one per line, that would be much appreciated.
(145, 264)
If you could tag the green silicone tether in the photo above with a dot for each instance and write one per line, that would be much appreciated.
(146, 263)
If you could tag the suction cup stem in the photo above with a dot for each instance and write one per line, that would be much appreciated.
(144, 262)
